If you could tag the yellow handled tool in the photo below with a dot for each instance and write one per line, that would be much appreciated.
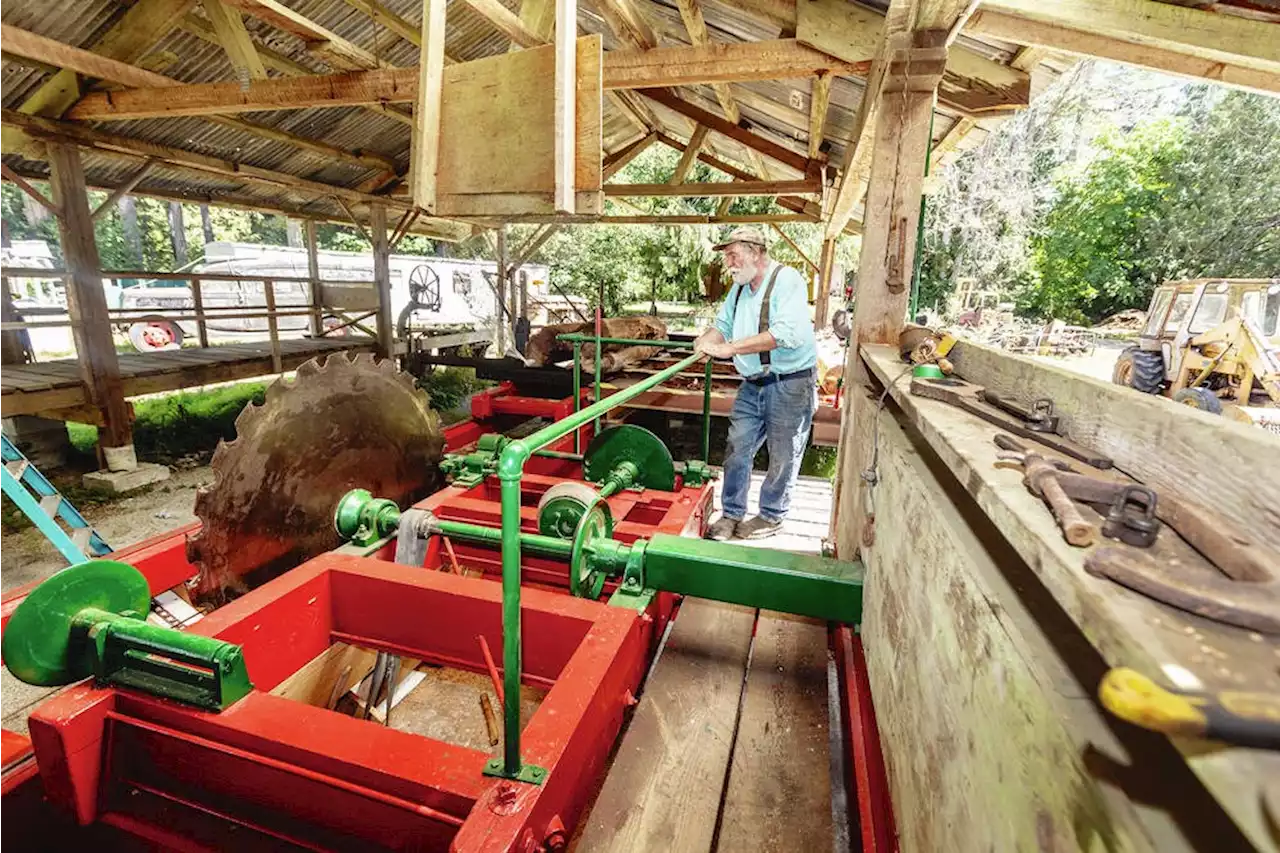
(1234, 717)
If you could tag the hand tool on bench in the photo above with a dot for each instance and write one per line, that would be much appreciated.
(1039, 416)
(1042, 479)
(1230, 716)
(969, 397)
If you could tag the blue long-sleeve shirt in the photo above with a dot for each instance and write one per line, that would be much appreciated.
(789, 321)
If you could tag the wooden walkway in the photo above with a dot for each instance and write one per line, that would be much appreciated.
(805, 526)
(51, 385)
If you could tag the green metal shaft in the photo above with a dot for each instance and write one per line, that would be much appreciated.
(546, 546)
(558, 454)
(633, 342)
(758, 577)
(577, 392)
(706, 415)
(595, 427)
(510, 471)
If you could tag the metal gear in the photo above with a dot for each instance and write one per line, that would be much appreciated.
(339, 425)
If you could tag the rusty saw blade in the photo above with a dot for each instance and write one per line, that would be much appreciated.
(337, 426)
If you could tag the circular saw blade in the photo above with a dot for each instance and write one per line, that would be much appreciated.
(337, 426)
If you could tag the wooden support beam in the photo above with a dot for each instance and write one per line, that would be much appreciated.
(734, 188)
(125, 188)
(321, 41)
(690, 155)
(424, 154)
(566, 103)
(720, 62)
(725, 205)
(627, 23)
(819, 99)
(696, 219)
(86, 300)
(273, 60)
(772, 150)
(615, 161)
(1068, 35)
(234, 38)
(86, 136)
(825, 272)
(506, 22)
(383, 16)
(314, 287)
(536, 242)
(786, 238)
(21, 183)
(382, 278)
(663, 66)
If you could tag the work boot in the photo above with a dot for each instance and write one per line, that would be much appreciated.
(758, 528)
(723, 529)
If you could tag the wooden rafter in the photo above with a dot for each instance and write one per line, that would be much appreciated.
(615, 161)
(21, 183)
(506, 22)
(1068, 35)
(128, 186)
(690, 155)
(84, 136)
(769, 149)
(734, 188)
(229, 27)
(627, 23)
(819, 99)
(794, 246)
(720, 63)
(321, 41)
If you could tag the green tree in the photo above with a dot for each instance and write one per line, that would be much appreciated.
(1099, 249)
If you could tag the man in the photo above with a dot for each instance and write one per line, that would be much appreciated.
(764, 326)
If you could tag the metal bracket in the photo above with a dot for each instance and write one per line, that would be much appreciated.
(531, 773)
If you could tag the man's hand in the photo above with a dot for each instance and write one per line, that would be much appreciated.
(718, 349)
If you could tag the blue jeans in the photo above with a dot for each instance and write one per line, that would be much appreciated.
(781, 414)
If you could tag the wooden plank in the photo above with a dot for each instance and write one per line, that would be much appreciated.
(721, 62)
(329, 674)
(819, 98)
(327, 44)
(425, 148)
(1223, 38)
(688, 158)
(1082, 42)
(565, 100)
(1124, 627)
(229, 27)
(617, 160)
(839, 28)
(487, 151)
(506, 22)
(779, 793)
(663, 790)
(736, 188)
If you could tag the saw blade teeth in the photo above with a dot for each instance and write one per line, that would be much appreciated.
(307, 369)
(275, 390)
(365, 360)
(221, 451)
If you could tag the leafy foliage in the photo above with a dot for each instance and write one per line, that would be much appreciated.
(1114, 181)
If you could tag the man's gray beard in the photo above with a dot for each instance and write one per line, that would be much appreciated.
(743, 276)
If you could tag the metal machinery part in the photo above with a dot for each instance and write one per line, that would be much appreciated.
(424, 296)
(339, 425)
(562, 507)
(90, 620)
(629, 445)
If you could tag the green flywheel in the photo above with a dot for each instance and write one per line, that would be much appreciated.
(37, 644)
(634, 444)
(596, 523)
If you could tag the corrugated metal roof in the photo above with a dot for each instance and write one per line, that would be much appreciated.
(777, 110)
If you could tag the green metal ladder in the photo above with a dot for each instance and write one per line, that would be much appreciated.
(32, 492)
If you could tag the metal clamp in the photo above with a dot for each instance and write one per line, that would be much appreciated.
(1132, 517)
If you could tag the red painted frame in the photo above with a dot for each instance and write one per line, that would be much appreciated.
(322, 779)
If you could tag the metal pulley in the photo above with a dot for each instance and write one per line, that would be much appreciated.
(90, 619)
(562, 507)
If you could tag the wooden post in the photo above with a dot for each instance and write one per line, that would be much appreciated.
(197, 296)
(313, 272)
(87, 305)
(424, 153)
(501, 294)
(566, 100)
(884, 282)
(826, 268)
(273, 325)
(382, 278)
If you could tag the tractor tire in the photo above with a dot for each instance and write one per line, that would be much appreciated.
(1139, 369)
(1199, 398)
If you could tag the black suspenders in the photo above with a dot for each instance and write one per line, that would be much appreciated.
(764, 309)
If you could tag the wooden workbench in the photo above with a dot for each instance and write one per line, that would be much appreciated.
(986, 639)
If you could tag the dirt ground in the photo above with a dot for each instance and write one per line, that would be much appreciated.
(28, 556)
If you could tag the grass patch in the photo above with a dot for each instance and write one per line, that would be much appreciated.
(448, 387)
(191, 422)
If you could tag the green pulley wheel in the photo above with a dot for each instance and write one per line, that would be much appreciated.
(634, 444)
(562, 507)
(37, 645)
(596, 523)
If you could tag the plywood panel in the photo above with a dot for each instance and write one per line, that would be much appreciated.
(498, 134)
